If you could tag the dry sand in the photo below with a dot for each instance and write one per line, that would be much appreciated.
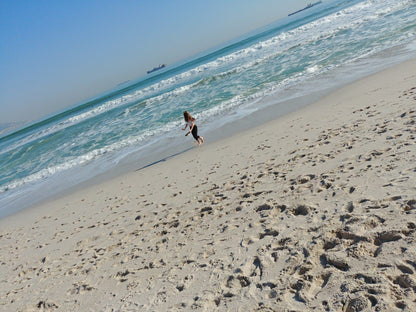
(315, 211)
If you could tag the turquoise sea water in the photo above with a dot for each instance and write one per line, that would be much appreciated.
(276, 67)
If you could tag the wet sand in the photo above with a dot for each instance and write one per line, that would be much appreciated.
(314, 211)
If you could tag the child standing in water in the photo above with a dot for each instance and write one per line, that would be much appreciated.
(190, 121)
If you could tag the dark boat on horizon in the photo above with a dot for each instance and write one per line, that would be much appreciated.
(310, 5)
(156, 68)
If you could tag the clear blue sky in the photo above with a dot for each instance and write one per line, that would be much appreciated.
(54, 54)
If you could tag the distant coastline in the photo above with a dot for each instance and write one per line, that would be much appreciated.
(310, 5)
(122, 83)
(10, 126)
(156, 68)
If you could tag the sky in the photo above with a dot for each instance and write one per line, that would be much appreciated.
(54, 54)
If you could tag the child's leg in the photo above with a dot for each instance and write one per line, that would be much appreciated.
(195, 133)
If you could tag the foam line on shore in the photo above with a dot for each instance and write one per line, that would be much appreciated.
(312, 211)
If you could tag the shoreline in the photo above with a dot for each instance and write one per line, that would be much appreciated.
(312, 207)
(271, 107)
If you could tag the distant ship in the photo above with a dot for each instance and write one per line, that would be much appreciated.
(156, 68)
(307, 7)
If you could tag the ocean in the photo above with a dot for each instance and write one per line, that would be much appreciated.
(249, 80)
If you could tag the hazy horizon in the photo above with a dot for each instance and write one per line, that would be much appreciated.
(59, 54)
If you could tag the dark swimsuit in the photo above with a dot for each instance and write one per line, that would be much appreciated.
(194, 129)
(195, 132)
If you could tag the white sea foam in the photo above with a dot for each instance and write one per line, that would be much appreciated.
(368, 10)
(84, 159)
(225, 87)
(324, 27)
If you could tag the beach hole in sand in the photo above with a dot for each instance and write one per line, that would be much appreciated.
(301, 210)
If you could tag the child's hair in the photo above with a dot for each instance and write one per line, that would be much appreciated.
(188, 116)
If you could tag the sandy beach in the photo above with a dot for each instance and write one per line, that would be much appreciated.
(314, 211)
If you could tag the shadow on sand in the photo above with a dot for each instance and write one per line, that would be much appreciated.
(164, 159)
